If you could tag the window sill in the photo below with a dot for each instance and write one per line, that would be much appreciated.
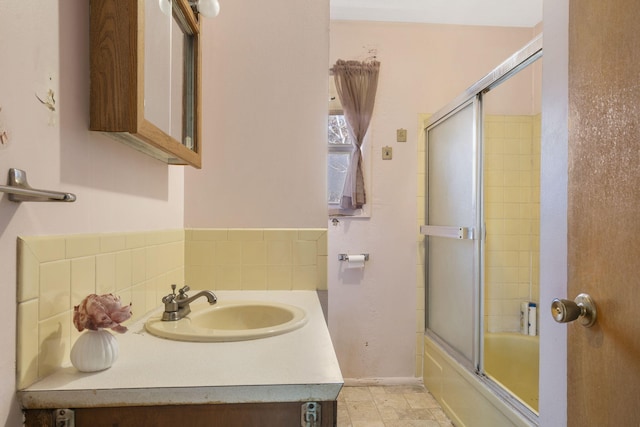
(349, 213)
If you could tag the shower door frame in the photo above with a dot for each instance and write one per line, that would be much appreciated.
(474, 94)
(471, 363)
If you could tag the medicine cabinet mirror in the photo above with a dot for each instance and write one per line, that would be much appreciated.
(145, 77)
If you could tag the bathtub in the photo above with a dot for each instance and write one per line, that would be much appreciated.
(474, 400)
(511, 359)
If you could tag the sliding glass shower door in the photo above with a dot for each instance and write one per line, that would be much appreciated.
(452, 216)
(482, 228)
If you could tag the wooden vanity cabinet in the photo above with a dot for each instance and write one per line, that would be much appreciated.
(287, 414)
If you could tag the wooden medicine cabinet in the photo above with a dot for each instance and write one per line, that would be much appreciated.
(146, 77)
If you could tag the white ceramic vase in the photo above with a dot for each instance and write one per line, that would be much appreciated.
(94, 351)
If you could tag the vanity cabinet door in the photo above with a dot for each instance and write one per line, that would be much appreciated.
(222, 415)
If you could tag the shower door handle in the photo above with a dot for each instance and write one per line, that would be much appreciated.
(583, 308)
(446, 231)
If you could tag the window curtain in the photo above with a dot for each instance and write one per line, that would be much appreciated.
(356, 84)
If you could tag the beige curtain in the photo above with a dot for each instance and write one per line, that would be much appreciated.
(356, 84)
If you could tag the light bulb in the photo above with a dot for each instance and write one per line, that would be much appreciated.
(208, 8)
(165, 6)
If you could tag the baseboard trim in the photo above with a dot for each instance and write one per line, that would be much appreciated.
(386, 381)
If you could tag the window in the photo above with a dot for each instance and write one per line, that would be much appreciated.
(340, 147)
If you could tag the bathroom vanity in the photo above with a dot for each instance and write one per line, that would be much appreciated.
(274, 381)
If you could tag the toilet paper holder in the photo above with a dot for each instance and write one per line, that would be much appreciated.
(345, 257)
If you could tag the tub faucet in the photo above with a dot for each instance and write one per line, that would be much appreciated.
(177, 306)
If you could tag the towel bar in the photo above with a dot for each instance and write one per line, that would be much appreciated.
(19, 190)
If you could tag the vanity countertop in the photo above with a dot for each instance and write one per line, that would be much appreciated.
(297, 366)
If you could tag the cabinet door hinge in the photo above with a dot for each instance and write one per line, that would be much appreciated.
(310, 414)
(64, 418)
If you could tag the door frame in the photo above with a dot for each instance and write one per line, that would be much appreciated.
(553, 212)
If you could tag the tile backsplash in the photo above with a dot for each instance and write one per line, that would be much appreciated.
(57, 272)
(256, 259)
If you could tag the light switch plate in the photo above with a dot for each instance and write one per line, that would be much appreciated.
(387, 153)
(401, 135)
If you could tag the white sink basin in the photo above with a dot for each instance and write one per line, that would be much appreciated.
(230, 321)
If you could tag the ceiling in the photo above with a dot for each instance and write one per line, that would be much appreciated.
(503, 13)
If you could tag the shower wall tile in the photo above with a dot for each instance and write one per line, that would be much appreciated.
(512, 212)
(420, 267)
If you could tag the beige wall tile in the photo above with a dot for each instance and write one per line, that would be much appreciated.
(105, 273)
(208, 234)
(245, 234)
(228, 253)
(229, 277)
(174, 276)
(138, 265)
(113, 242)
(310, 234)
(151, 262)
(54, 343)
(123, 270)
(201, 276)
(28, 273)
(279, 277)
(47, 248)
(163, 236)
(139, 302)
(82, 245)
(281, 234)
(280, 252)
(305, 252)
(83, 279)
(55, 288)
(135, 240)
(305, 277)
(174, 253)
(152, 295)
(321, 264)
(254, 253)
(200, 252)
(321, 244)
(27, 344)
(254, 277)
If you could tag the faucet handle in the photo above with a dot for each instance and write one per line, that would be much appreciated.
(183, 292)
(168, 298)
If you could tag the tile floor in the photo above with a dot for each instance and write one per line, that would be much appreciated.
(389, 406)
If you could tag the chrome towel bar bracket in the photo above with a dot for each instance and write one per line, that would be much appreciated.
(19, 190)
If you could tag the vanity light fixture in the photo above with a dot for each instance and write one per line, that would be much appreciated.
(207, 8)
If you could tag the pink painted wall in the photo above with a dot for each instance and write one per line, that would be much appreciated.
(264, 118)
(44, 45)
(373, 316)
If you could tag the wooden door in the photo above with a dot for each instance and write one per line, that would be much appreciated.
(604, 211)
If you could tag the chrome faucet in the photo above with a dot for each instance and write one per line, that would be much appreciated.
(176, 306)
